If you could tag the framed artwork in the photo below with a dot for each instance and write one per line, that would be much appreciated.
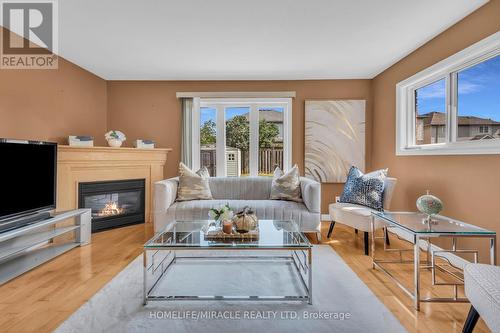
(334, 139)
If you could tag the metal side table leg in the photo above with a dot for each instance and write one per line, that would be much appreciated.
(372, 238)
(493, 250)
(416, 263)
(310, 291)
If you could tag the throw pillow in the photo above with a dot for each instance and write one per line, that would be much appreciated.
(193, 185)
(365, 189)
(286, 186)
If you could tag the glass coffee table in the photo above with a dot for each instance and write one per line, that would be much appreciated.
(418, 230)
(279, 241)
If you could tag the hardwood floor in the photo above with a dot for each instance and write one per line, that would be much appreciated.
(433, 317)
(41, 299)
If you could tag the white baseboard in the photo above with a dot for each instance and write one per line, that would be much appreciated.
(325, 217)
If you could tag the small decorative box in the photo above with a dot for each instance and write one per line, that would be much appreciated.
(144, 144)
(81, 141)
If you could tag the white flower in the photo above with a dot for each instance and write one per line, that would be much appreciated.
(211, 214)
(227, 215)
(115, 135)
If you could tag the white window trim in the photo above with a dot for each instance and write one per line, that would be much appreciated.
(447, 68)
(253, 103)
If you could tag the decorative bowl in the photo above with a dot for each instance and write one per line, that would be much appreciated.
(115, 143)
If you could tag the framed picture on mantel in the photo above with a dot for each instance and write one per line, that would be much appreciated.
(334, 139)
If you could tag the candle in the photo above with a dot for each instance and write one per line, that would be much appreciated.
(227, 226)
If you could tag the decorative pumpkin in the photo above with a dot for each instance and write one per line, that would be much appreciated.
(245, 220)
(429, 204)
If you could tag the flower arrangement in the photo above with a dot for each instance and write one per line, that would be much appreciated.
(115, 138)
(115, 135)
(224, 212)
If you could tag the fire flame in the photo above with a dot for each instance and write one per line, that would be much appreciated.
(111, 208)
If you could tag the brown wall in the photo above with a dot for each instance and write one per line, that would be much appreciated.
(468, 185)
(150, 109)
(52, 104)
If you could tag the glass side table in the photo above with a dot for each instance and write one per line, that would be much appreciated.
(416, 227)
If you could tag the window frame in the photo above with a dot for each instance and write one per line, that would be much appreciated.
(446, 69)
(254, 104)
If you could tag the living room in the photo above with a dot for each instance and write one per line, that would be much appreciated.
(222, 166)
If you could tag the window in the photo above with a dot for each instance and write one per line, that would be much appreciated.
(484, 129)
(452, 107)
(243, 137)
(208, 139)
(270, 139)
(430, 113)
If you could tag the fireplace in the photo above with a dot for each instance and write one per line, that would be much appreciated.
(113, 203)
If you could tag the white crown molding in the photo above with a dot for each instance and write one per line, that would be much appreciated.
(237, 94)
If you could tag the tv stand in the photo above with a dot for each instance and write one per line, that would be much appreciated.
(24, 221)
(25, 248)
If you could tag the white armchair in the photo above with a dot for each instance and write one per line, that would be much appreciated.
(482, 288)
(357, 216)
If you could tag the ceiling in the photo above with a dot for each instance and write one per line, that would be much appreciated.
(249, 39)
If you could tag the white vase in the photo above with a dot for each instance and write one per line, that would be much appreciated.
(115, 143)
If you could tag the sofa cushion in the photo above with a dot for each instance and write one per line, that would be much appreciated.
(193, 185)
(286, 186)
(241, 188)
(365, 189)
(355, 216)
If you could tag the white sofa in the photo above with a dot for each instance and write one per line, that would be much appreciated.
(239, 192)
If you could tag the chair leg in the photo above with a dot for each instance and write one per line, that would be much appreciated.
(387, 241)
(330, 230)
(471, 320)
(366, 241)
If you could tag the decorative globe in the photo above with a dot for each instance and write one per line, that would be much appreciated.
(429, 204)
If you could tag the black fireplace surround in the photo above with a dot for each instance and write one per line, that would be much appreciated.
(113, 203)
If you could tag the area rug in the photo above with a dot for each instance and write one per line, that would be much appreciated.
(341, 301)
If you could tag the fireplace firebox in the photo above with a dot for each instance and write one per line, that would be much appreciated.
(113, 203)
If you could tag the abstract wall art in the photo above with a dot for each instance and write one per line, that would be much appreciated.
(334, 139)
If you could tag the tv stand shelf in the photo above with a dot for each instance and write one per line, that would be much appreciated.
(25, 248)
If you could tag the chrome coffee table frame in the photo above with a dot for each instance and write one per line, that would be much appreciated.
(415, 241)
(158, 260)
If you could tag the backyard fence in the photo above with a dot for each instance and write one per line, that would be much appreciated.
(269, 159)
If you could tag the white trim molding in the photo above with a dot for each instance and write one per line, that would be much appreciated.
(237, 94)
(446, 69)
(254, 104)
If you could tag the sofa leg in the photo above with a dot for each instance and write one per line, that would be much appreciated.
(318, 237)
(330, 230)
(366, 241)
(387, 241)
(471, 320)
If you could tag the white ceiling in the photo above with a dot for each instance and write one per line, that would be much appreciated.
(248, 39)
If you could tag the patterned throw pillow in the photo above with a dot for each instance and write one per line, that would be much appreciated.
(365, 189)
(193, 185)
(286, 186)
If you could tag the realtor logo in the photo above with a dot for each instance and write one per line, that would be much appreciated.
(29, 36)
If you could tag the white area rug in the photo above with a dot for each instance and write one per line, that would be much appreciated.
(341, 301)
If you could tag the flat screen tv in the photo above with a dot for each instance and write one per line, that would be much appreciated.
(27, 181)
